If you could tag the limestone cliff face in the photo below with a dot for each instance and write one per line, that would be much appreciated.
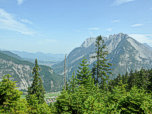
(125, 52)
(21, 71)
(89, 41)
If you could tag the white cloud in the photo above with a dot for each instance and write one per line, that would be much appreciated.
(77, 30)
(47, 42)
(109, 29)
(115, 21)
(119, 2)
(8, 22)
(135, 25)
(26, 21)
(93, 28)
(142, 38)
(20, 1)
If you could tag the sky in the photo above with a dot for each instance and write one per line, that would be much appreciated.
(59, 26)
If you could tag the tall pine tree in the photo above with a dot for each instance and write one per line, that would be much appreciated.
(36, 88)
(41, 93)
(100, 64)
(94, 74)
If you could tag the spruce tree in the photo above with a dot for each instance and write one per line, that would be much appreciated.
(126, 80)
(100, 64)
(123, 79)
(70, 88)
(111, 85)
(83, 72)
(130, 80)
(119, 78)
(35, 87)
(141, 79)
(149, 87)
(94, 74)
(41, 95)
(136, 71)
(67, 87)
(10, 98)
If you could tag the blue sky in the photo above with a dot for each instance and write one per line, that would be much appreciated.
(59, 26)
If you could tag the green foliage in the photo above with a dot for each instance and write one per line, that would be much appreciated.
(120, 101)
(135, 101)
(37, 86)
(10, 98)
(36, 108)
(7, 93)
(72, 84)
(94, 74)
(83, 73)
(149, 87)
(41, 92)
(63, 99)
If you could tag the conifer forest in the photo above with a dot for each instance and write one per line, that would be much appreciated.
(129, 93)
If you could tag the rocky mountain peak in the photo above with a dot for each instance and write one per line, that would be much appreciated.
(91, 40)
(120, 35)
(88, 42)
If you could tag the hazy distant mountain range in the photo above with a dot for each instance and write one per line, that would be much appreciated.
(40, 56)
(125, 52)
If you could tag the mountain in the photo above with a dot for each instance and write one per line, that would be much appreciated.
(32, 60)
(147, 46)
(11, 54)
(39, 55)
(21, 71)
(125, 52)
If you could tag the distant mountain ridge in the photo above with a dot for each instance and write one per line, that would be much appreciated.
(39, 55)
(11, 54)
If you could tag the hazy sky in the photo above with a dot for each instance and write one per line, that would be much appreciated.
(59, 26)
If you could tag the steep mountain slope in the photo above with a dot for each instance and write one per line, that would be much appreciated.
(147, 46)
(125, 52)
(11, 54)
(21, 71)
